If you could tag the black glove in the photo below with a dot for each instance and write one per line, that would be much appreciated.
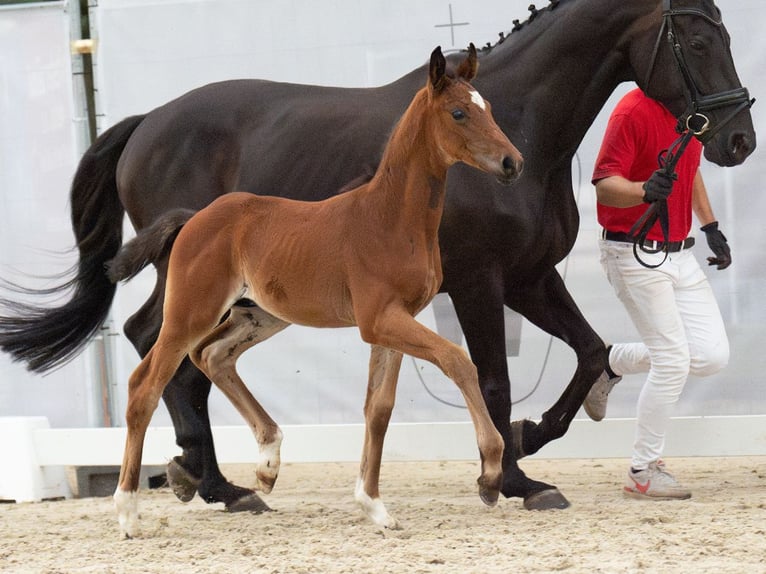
(718, 245)
(658, 186)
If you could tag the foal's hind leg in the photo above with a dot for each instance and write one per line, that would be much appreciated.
(186, 398)
(381, 394)
(144, 391)
(217, 355)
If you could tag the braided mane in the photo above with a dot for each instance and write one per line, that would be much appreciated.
(518, 25)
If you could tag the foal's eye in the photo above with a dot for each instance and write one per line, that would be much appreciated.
(458, 115)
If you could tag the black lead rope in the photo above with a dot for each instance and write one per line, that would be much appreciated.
(667, 161)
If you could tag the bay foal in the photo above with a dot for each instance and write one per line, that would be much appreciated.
(369, 257)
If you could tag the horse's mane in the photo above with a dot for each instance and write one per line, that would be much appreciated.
(534, 12)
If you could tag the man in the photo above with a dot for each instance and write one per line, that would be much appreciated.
(671, 305)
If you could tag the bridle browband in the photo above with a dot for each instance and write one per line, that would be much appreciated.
(692, 123)
(694, 118)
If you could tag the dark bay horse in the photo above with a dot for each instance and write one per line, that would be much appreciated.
(368, 257)
(548, 80)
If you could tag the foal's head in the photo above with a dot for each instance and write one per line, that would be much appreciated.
(461, 120)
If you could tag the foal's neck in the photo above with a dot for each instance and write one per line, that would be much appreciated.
(409, 183)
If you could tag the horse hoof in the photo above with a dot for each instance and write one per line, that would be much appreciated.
(249, 503)
(183, 484)
(550, 499)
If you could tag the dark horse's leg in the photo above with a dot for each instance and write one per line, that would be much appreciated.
(548, 304)
(186, 397)
(479, 307)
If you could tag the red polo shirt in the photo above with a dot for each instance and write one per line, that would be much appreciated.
(639, 128)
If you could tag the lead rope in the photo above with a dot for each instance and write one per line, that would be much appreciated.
(667, 161)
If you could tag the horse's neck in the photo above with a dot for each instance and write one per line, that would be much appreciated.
(556, 73)
(408, 187)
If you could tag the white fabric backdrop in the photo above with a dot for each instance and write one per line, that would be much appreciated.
(154, 50)
(38, 155)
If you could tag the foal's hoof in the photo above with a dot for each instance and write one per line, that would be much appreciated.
(550, 499)
(488, 494)
(183, 484)
(265, 481)
(249, 503)
(489, 488)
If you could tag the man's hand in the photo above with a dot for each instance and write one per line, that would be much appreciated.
(718, 245)
(658, 186)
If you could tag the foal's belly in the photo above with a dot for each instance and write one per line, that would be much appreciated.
(308, 302)
(307, 316)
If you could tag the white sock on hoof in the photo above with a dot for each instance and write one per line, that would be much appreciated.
(269, 461)
(126, 503)
(374, 508)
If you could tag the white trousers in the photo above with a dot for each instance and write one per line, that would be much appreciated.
(682, 332)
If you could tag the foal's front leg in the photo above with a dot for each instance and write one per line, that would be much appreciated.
(381, 395)
(396, 329)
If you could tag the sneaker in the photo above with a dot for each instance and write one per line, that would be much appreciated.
(654, 483)
(595, 403)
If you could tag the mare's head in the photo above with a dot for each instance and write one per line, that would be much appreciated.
(685, 62)
(461, 120)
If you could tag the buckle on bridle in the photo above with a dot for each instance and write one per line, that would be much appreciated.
(699, 119)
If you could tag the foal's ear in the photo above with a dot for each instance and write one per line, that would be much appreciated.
(470, 65)
(437, 70)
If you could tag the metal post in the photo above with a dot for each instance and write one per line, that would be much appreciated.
(83, 48)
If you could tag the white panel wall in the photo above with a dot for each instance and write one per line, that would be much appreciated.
(38, 155)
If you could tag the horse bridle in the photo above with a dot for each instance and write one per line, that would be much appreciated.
(694, 118)
(693, 122)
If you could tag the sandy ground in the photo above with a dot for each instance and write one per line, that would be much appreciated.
(317, 527)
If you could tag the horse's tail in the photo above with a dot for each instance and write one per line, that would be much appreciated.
(45, 338)
(149, 246)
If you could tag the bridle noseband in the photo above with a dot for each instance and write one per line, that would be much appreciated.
(694, 117)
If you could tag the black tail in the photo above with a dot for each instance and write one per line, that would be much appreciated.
(149, 246)
(46, 338)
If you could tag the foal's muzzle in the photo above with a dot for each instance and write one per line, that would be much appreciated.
(511, 170)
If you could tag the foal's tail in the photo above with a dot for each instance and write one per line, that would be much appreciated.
(149, 246)
(45, 338)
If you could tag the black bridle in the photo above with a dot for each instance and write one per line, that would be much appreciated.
(692, 123)
(694, 117)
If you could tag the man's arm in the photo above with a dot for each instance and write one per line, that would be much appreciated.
(616, 191)
(700, 201)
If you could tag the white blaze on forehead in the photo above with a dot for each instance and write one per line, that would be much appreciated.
(478, 100)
